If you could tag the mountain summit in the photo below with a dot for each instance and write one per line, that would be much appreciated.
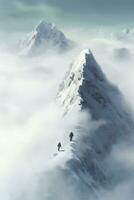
(86, 87)
(45, 37)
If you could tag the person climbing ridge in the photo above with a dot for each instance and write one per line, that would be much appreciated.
(59, 146)
(71, 136)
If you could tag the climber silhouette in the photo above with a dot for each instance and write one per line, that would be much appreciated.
(59, 146)
(71, 136)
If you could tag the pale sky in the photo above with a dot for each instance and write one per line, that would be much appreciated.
(18, 15)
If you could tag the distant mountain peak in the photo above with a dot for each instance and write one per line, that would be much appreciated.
(46, 37)
(49, 31)
(43, 26)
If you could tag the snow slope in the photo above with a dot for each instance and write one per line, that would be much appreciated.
(45, 37)
(86, 89)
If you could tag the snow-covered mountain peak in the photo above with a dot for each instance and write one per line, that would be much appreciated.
(46, 36)
(49, 31)
(86, 67)
(84, 77)
(81, 59)
(43, 27)
(86, 87)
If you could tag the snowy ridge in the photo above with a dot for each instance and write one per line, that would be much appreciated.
(45, 37)
(68, 92)
(85, 87)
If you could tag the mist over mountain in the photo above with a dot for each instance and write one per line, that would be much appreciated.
(126, 35)
(46, 37)
(87, 90)
(122, 54)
